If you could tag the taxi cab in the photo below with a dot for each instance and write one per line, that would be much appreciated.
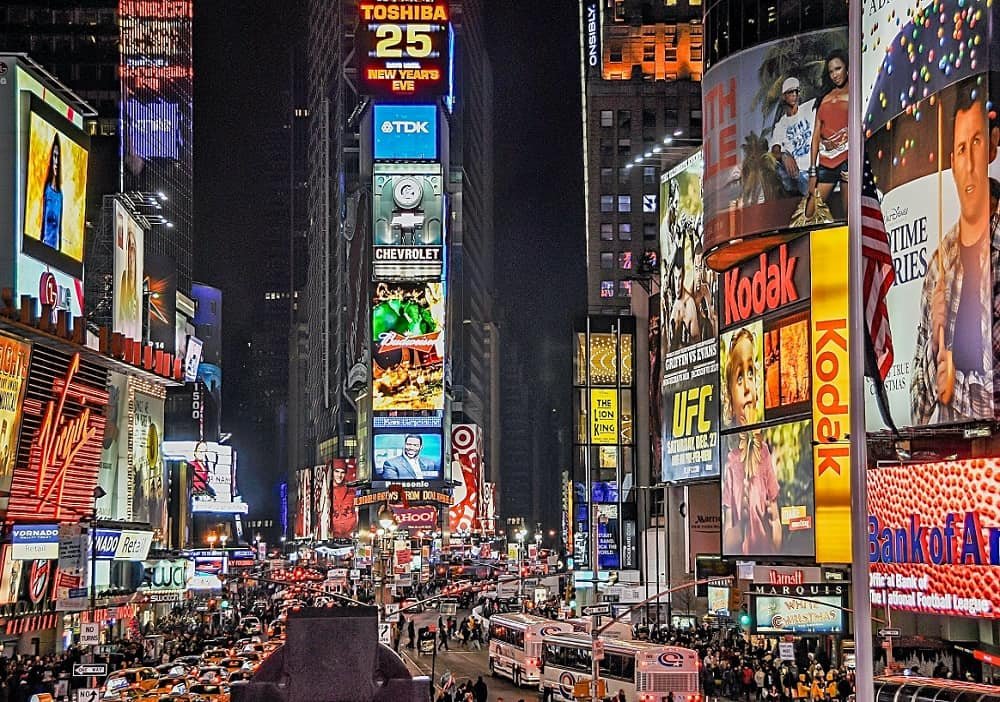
(141, 679)
(211, 693)
(213, 655)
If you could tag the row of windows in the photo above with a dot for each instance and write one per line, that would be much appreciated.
(613, 665)
(624, 120)
(514, 637)
(608, 288)
(734, 25)
(650, 175)
(23, 15)
(625, 203)
(649, 231)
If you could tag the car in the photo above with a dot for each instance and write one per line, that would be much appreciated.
(211, 693)
(175, 669)
(253, 659)
(213, 674)
(189, 661)
(251, 648)
(141, 679)
(212, 656)
(251, 624)
(170, 684)
(233, 664)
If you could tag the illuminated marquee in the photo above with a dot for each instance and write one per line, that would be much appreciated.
(404, 47)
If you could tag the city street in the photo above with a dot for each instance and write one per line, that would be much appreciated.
(466, 665)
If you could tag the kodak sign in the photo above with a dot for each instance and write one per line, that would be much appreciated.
(776, 278)
(830, 396)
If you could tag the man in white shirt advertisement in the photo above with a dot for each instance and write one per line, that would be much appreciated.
(793, 133)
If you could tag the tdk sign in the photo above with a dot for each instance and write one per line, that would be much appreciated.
(405, 132)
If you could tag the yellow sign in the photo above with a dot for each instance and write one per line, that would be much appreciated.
(603, 416)
(831, 395)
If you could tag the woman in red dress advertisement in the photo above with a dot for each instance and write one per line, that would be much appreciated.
(344, 519)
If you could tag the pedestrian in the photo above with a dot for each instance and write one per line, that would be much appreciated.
(443, 640)
(479, 690)
(410, 632)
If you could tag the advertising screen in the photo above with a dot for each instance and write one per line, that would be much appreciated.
(55, 193)
(767, 492)
(763, 107)
(303, 513)
(408, 217)
(161, 279)
(321, 502)
(343, 513)
(813, 615)
(688, 325)
(213, 475)
(192, 358)
(128, 274)
(406, 455)
(408, 347)
(405, 132)
(15, 356)
(934, 537)
(404, 48)
(467, 474)
(154, 128)
(147, 476)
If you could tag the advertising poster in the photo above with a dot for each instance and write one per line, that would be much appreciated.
(55, 195)
(407, 455)
(161, 279)
(934, 158)
(128, 274)
(688, 324)
(409, 221)
(408, 347)
(655, 381)
(933, 537)
(303, 515)
(10, 577)
(15, 356)
(321, 502)
(148, 478)
(343, 513)
(608, 543)
(405, 132)
(831, 396)
(767, 492)
(762, 110)
(813, 615)
(466, 474)
(603, 416)
(704, 521)
(115, 504)
(212, 467)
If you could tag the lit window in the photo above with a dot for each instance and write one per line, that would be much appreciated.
(624, 203)
(607, 203)
(607, 231)
(607, 288)
(625, 231)
(624, 288)
(607, 118)
(625, 260)
(649, 175)
(649, 52)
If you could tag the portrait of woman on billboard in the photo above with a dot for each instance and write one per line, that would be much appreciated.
(52, 199)
(828, 153)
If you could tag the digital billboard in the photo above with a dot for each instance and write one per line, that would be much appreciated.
(161, 281)
(405, 132)
(773, 113)
(303, 508)
(128, 274)
(934, 537)
(154, 128)
(408, 215)
(808, 615)
(147, 476)
(114, 478)
(321, 502)
(687, 332)
(192, 358)
(403, 48)
(408, 347)
(213, 475)
(767, 492)
(63, 422)
(15, 356)
(400, 455)
(466, 475)
(343, 512)
(55, 193)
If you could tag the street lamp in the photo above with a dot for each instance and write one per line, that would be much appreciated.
(520, 536)
(212, 538)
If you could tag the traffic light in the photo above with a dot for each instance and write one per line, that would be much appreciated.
(745, 620)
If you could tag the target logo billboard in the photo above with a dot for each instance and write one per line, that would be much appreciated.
(466, 471)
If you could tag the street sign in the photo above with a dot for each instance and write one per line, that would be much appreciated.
(597, 610)
(90, 634)
(786, 651)
(88, 694)
(888, 633)
(449, 609)
(598, 650)
(86, 670)
(385, 633)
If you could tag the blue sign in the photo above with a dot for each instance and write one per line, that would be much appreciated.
(405, 132)
(31, 542)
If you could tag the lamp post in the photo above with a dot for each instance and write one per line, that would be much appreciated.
(99, 492)
(520, 536)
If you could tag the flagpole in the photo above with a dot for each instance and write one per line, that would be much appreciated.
(864, 671)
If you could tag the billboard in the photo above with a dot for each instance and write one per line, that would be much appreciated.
(161, 281)
(128, 277)
(153, 128)
(213, 475)
(767, 492)
(408, 347)
(15, 356)
(55, 192)
(63, 422)
(114, 478)
(343, 513)
(934, 537)
(303, 513)
(147, 477)
(321, 502)
(192, 358)
(405, 132)
(704, 521)
(408, 215)
(466, 475)
(603, 416)
(763, 107)
(812, 615)
(404, 48)
(406, 454)
(688, 326)
(34, 541)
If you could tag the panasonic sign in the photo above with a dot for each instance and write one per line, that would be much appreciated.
(405, 132)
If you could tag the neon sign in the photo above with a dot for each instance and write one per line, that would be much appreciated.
(404, 48)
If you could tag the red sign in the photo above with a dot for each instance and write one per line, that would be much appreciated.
(467, 448)
(63, 424)
(775, 279)
(424, 517)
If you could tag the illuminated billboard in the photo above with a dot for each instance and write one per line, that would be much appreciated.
(128, 274)
(303, 508)
(934, 537)
(15, 356)
(161, 280)
(802, 613)
(408, 347)
(763, 107)
(405, 132)
(63, 422)
(154, 128)
(147, 478)
(321, 502)
(401, 455)
(403, 48)
(408, 215)
(466, 475)
(213, 475)
(55, 193)
(343, 513)
(688, 327)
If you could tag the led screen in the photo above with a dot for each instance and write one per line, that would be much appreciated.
(408, 221)
(15, 355)
(813, 615)
(128, 274)
(154, 128)
(148, 479)
(405, 132)
(403, 455)
(55, 194)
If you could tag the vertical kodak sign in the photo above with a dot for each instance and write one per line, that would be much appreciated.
(831, 395)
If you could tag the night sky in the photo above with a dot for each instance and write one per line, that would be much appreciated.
(240, 72)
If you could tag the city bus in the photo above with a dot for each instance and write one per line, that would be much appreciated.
(897, 688)
(516, 645)
(646, 672)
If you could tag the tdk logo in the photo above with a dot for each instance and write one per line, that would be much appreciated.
(405, 127)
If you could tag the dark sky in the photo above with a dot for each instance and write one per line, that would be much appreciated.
(240, 60)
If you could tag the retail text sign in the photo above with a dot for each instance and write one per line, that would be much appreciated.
(603, 416)
(934, 537)
(830, 396)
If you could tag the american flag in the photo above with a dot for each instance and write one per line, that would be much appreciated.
(879, 276)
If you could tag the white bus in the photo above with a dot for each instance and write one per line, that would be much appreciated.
(516, 645)
(647, 672)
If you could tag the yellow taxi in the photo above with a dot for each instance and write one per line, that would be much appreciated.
(213, 655)
(211, 693)
(233, 663)
(141, 679)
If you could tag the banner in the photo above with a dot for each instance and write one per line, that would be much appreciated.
(128, 274)
(687, 333)
(147, 479)
(603, 416)
(161, 280)
(466, 475)
(813, 615)
(704, 521)
(15, 356)
(321, 502)
(303, 512)
(343, 513)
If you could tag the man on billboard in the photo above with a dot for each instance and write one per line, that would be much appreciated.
(408, 466)
(344, 518)
(793, 132)
(949, 381)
